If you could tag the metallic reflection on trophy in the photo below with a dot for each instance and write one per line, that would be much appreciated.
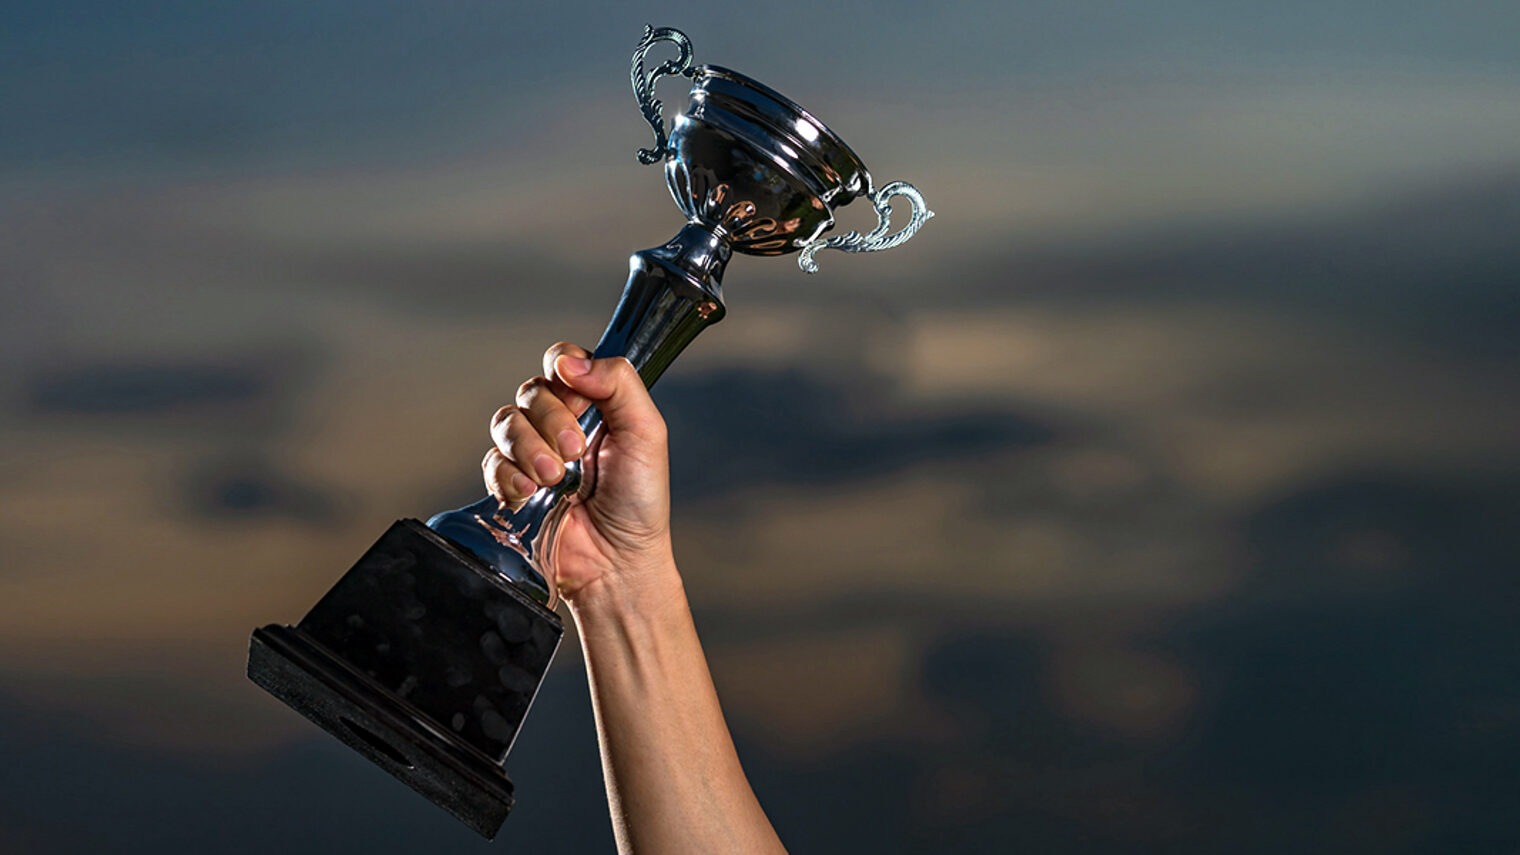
(753, 173)
(426, 655)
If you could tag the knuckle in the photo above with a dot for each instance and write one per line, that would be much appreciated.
(514, 424)
(558, 349)
(501, 415)
(623, 370)
(491, 473)
(501, 429)
(529, 391)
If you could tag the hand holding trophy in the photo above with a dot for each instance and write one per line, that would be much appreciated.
(427, 654)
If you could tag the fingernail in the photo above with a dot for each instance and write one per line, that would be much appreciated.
(547, 469)
(574, 366)
(569, 444)
(522, 485)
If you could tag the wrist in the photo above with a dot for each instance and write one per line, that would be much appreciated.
(629, 596)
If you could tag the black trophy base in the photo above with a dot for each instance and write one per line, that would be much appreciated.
(423, 660)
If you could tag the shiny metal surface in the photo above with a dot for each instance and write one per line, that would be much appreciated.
(756, 169)
(754, 173)
(877, 239)
(795, 138)
(643, 84)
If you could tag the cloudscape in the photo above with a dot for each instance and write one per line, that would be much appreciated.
(1158, 496)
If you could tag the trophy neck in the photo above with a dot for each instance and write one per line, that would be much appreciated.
(701, 251)
(674, 291)
(672, 294)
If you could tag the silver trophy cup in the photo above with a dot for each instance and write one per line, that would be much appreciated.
(427, 654)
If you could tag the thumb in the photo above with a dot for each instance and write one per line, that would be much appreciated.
(617, 390)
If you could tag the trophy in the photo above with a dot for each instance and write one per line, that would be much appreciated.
(427, 654)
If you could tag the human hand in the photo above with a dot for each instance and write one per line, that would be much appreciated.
(620, 536)
(674, 782)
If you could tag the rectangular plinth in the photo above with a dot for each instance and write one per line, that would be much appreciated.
(423, 660)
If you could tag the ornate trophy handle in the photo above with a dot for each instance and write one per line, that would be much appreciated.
(643, 83)
(878, 239)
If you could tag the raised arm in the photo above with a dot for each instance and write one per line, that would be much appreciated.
(674, 782)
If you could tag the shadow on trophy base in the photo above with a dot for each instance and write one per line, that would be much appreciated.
(425, 661)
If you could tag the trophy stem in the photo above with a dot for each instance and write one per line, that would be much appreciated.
(674, 291)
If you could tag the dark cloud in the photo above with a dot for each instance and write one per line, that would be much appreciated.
(735, 429)
(253, 489)
(1362, 535)
(235, 401)
(242, 390)
(127, 388)
(1434, 262)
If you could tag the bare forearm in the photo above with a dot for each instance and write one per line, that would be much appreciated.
(674, 782)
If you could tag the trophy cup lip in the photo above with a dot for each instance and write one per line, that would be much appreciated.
(824, 140)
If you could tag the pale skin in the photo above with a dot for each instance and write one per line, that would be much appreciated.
(673, 779)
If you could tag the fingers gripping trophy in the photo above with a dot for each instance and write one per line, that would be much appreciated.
(427, 654)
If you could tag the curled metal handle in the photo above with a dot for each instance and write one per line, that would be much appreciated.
(643, 84)
(877, 239)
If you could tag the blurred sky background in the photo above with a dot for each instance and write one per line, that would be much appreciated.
(1160, 496)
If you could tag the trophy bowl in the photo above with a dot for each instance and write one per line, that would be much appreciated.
(757, 169)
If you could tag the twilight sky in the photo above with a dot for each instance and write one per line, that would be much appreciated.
(1157, 495)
